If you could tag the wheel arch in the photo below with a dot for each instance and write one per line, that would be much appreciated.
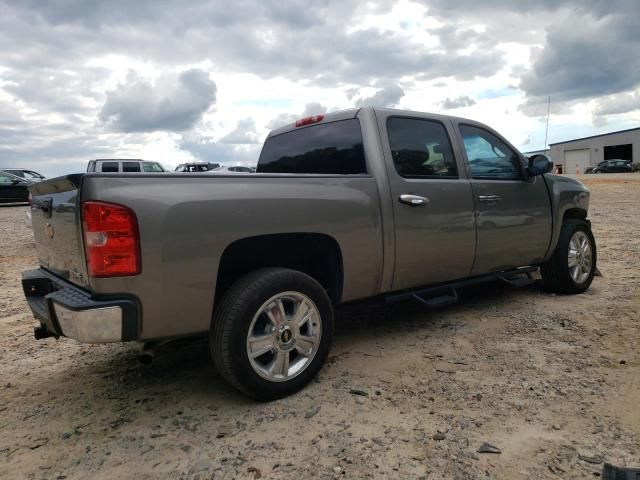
(575, 213)
(318, 255)
(569, 213)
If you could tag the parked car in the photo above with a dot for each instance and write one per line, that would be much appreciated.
(13, 189)
(111, 165)
(24, 173)
(344, 206)
(613, 166)
(233, 169)
(195, 167)
(600, 164)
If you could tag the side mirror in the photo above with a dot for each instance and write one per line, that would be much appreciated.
(539, 164)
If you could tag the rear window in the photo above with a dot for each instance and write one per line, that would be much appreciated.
(109, 167)
(130, 167)
(327, 148)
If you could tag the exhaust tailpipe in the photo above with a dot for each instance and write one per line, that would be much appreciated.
(149, 351)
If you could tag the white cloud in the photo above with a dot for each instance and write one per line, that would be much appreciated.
(244, 133)
(459, 102)
(388, 97)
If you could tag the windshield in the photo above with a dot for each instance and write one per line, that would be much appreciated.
(152, 167)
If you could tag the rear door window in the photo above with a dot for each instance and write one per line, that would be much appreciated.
(109, 167)
(421, 148)
(326, 148)
(130, 167)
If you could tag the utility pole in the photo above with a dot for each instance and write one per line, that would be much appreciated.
(546, 131)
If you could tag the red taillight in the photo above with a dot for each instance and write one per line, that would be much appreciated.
(309, 120)
(111, 240)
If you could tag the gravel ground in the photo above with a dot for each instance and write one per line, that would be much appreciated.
(552, 381)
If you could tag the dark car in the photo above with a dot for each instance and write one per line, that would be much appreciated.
(196, 167)
(24, 173)
(13, 189)
(613, 166)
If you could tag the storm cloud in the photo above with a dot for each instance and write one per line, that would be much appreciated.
(594, 60)
(120, 77)
(173, 102)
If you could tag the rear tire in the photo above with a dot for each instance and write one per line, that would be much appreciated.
(572, 266)
(272, 332)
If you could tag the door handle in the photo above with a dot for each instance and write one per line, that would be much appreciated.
(488, 198)
(413, 200)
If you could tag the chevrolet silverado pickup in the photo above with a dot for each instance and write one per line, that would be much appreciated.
(344, 206)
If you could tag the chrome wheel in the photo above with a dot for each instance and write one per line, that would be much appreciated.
(580, 257)
(284, 336)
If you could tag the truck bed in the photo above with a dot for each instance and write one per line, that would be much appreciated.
(187, 222)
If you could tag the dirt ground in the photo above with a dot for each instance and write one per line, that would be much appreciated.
(552, 381)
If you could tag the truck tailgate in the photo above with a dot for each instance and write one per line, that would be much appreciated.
(55, 212)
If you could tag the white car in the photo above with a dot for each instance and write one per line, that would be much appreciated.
(108, 165)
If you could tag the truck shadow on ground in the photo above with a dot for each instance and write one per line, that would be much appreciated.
(184, 366)
(377, 316)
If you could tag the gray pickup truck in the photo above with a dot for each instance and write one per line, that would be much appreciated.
(344, 206)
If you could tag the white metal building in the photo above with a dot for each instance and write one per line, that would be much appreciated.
(582, 153)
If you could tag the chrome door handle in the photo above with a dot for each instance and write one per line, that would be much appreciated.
(488, 198)
(413, 200)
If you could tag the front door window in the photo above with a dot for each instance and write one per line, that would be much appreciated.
(488, 156)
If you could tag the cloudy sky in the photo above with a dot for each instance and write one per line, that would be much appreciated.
(176, 81)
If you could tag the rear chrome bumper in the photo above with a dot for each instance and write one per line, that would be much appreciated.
(66, 310)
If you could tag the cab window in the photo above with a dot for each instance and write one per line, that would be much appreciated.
(488, 156)
(130, 167)
(109, 167)
(421, 148)
(332, 148)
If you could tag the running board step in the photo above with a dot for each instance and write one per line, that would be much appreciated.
(438, 300)
(518, 279)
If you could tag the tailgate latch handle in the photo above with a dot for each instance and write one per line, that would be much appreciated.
(46, 206)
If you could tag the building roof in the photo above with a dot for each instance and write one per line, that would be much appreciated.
(595, 136)
(531, 152)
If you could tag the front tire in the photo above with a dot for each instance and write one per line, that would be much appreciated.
(272, 332)
(573, 265)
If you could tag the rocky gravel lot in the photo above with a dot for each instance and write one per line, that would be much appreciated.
(552, 381)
